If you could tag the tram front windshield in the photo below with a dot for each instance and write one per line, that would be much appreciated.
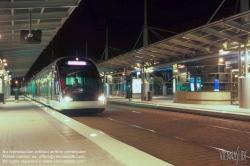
(84, 78)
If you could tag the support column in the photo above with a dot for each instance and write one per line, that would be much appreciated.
(106, 46)
(145, 26)
(106, 85)
(244, 82)
(246, 63)
(239, 61)
(244, 79)
(3, 89)
(244, 6)
(7, 91)
(145, 85)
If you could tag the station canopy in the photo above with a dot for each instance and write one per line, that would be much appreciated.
(47, 15)
(214, 40)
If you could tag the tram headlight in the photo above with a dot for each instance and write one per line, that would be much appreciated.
(101, 98)
(67, 98)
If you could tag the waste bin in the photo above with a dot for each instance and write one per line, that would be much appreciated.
(2, 97)
(16, 94)
(150, 96)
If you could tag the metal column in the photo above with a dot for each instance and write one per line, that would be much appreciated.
(145, 84)
(244, 82)
(3, 89)
(145, 26)
(106, 46)
(244, 6)
(239, 61)
(244, 79)
(106, 86)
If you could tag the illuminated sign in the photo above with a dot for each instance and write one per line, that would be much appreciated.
(198, 83)
(136, 85)
(192, 84)
(76, 63)
(216, 85)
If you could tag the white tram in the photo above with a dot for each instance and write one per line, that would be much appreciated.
(55, 86)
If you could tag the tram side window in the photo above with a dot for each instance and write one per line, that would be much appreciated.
(37, 87)
(70, 80)
(56, 85)
(44, 86)
(49, 79)
(40, 87)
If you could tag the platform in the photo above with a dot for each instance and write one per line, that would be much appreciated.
(167, 103)
(32, 134)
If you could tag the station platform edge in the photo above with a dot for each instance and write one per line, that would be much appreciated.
(28, 127)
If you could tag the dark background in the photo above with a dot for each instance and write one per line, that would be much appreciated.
(125, 19)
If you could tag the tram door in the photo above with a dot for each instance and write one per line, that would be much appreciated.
(49, 87)
(56, 89)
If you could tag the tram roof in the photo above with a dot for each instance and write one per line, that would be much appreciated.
(200, 43)
(48, 16)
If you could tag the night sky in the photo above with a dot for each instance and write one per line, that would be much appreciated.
(125, 19)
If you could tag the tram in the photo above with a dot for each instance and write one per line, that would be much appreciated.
(68, 84)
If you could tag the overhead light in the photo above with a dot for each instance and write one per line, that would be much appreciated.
(221, 60)
(149, 70)
(224, 52)
(207, 49)
(221, 50)
(4, 60)
(185, 37)
(181, 66)
(224, 45)
(5, 64)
